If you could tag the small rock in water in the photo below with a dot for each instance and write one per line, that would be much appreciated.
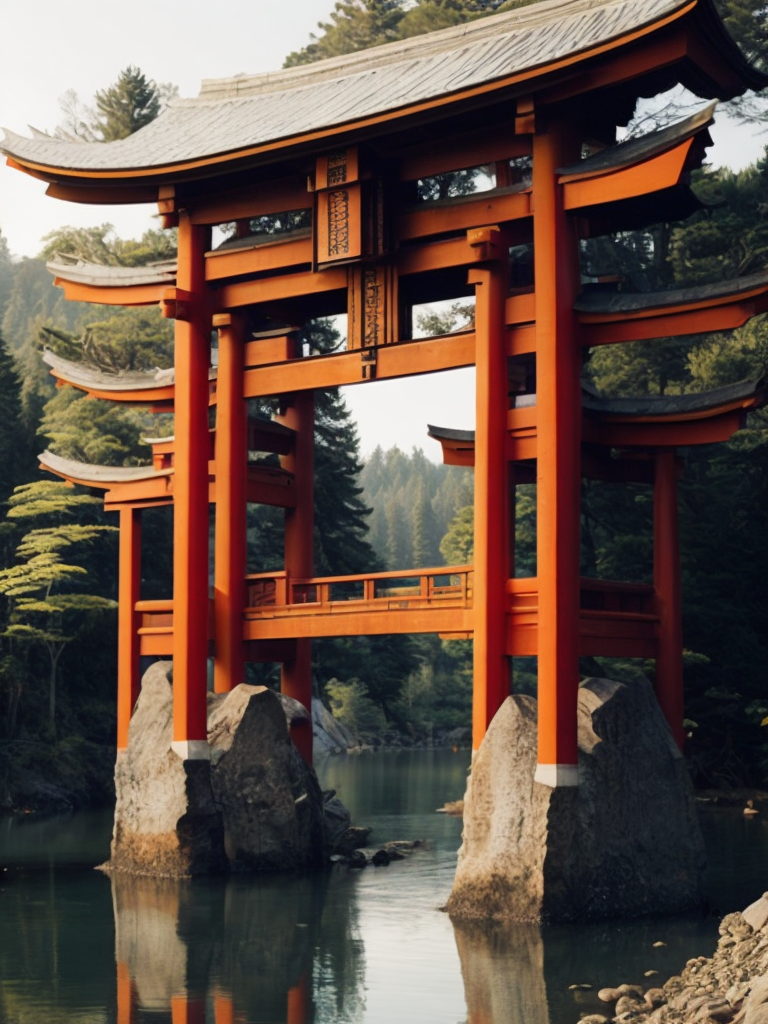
(659, 945)
(583, 987)
(649, 974)
(357, 859)
(609, 995)
(381, 859)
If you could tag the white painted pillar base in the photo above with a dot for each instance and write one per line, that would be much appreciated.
(192, 750)
(556, 775)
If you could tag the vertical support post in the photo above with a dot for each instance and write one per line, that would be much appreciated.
(296, 675)
(558, 369)
(229, 539)
(490, 664)
(666, 579)
(128, 644)
(190, 505)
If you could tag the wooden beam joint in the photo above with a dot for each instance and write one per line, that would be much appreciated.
(175, 304)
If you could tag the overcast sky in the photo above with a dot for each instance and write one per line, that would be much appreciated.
(50, 46)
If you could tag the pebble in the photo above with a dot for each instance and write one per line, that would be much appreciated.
(659, 945)
(649, 974)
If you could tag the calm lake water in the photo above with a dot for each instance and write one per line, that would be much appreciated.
(365, 946)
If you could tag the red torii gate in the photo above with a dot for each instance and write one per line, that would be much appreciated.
(534, 97)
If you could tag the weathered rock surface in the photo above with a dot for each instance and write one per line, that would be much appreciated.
(328, 734)
(255, 806)
(625, 842)
(732, 985)
(166, 820)
(270, 801)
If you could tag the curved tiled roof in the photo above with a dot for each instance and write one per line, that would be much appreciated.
(80, 272)
(751, 392)
(99, 476)
(251, 111)
(597, 302)
(86, 375)
(672, 405)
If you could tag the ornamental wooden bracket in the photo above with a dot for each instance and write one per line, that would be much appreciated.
(166, 206)
(175, 304)
(486, 243)
(525, 116)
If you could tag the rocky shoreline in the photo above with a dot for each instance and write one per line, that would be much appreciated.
(730, 987)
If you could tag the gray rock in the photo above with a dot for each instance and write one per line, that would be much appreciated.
(255, 806)
(625, 842)
(328, 734)
(756, 913)
(166, 821)
(337, 821)
(272, 806)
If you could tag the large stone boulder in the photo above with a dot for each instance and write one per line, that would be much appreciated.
(271, 803)
(624, 842)
(254, 806)
(166, 820)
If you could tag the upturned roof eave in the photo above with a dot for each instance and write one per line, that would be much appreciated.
(21, 152)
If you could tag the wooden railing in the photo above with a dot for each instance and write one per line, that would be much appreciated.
(274, 593)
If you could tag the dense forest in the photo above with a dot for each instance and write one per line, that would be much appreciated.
(399, 510)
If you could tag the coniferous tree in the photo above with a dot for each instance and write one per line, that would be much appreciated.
(132, 102)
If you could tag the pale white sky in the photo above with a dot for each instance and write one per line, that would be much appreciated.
(50, 46)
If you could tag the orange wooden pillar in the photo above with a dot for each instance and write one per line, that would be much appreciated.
(229, 541)
(666, 579)
(558, 369)
(296, 677)
(128, 644)
(190, 505)
(490, 663)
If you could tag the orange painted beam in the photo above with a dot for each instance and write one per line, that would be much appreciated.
(488, 208)
(558, 368)
(491, 670)
(402, 359)
(661, 171)
(129, 295)
(666, 579)
(259, 199)
(683, 432)
(286, 286)
(362, 623)
(129, 584)
(720, 314)
(471, 149)
(257, 259)
(230, 524)
(190, 505)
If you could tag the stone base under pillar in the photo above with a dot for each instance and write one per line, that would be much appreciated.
(252, 806)
(625, 842)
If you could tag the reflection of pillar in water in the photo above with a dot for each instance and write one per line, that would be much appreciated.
(125, 994)
(223, 1009)
(164, 936)
(503, 970)
(299, 1001)
(187, 1011)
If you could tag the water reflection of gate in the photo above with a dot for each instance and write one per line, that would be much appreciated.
(228, 951)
